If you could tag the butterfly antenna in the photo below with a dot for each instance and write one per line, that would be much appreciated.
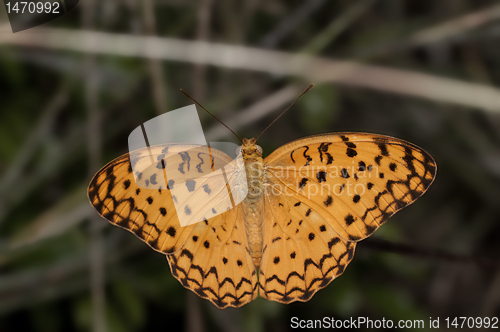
(279, 116)
(213, 116)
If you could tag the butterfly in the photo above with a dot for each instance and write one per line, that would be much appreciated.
(307, 205)
(280, 227)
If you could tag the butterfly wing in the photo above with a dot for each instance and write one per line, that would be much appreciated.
(220, 271)
(135, 193)
(355, 181)
(301, 254)
(324, 194)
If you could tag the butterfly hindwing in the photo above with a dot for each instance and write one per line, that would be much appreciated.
(220, 271)
(302, 253)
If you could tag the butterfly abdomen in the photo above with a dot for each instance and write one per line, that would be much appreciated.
(253, 205)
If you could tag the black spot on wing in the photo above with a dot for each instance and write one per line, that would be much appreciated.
(330, 158)
(185, 162)
(323, 148)
(333, 242)
(351, 153)
(349, 219)
(171, 231)
(198, 167)
(321, 176)
(190, 184)
(383, 149)
(308, 157)
(207, 189)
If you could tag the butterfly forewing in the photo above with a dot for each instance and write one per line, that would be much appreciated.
(134, 192)
(354, 181)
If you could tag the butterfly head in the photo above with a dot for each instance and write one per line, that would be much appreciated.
(250, 147)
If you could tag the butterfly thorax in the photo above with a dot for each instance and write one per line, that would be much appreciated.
(253, 205)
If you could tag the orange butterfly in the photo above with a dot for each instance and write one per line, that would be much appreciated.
(309, 202)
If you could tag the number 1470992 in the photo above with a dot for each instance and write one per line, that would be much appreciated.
(21, 7)
(471, 322)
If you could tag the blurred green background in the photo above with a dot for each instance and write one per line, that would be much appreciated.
(73, 89)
